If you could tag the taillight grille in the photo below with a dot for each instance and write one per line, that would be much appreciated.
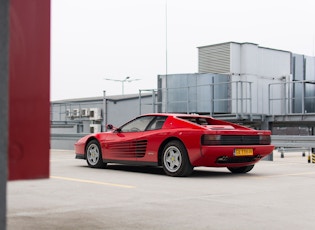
(235, 140)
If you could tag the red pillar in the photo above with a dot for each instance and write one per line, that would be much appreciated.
(29, 80)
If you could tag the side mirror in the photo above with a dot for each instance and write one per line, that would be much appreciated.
(113, 128)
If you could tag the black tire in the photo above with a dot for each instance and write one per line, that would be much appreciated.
(175, 160)
(94, 155)
(244, 169)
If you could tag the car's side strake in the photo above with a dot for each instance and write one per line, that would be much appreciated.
(128, 149)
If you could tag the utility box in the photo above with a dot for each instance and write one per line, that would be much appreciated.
(95, 128)
(95, 114)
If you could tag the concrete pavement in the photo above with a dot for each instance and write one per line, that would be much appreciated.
(274, 195)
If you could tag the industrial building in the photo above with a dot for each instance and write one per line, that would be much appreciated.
(241, 82)
(89, 115)
(243, 79)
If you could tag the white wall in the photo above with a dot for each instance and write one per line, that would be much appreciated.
(262, 66)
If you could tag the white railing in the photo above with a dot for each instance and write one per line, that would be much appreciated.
(293, 141)
(287, 144)
(296, 97)
(236, 100)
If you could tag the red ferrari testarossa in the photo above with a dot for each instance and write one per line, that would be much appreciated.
(178, 143)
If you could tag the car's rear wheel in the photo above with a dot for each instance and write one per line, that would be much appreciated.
(244, 169)
(175, 159)
(94, 155)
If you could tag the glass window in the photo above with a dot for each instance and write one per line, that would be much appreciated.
(197, 120)
(157, 123)
(137, 125)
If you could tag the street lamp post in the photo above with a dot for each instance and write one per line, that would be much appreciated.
(127, 79)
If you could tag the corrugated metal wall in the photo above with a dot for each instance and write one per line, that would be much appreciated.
(298, 75)
(214, 58)
(309, 87)
(303, 69)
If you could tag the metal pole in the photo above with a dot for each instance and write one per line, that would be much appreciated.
(153, 101)
(4, 98)
(187, 101)
(269, 99)
(250, 99)
(236, 94)
(105, 111)
(139, 101)
(166, 70)
(285, 97)
(210, 101)
(212, 97)
(289, 96)
(166, 101)
(242, 99)
(303, 97)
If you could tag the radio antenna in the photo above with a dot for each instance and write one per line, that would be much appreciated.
(166, 38)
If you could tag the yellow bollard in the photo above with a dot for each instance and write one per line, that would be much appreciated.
(311, 158)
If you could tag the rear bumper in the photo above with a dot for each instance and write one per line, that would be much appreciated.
(223, 156)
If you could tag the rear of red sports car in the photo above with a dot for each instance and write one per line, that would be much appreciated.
(225, 144)
(235, 150)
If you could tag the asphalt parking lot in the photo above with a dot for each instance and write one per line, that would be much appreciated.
(274, 195)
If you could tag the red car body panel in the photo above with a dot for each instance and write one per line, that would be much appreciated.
(145, 146)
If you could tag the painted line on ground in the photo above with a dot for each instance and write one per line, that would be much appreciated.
(92, 182)
(284, 175)
(293, 174)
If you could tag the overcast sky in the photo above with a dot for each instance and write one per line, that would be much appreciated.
(96, 39)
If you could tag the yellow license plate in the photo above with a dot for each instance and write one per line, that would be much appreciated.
(243, 152)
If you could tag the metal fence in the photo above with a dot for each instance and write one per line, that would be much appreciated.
(293, 141)
(66, 141)
(236, 98)
(287, 144)
(288, 97)
(297, 97)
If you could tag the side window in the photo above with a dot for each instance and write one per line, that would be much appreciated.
(202, 121)
(137, 125)
(157, 123)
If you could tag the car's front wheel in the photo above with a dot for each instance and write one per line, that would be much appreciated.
(94, 155)
(175, 159)
(244, 169)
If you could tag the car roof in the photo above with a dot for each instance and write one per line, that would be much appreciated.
(175, 115)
